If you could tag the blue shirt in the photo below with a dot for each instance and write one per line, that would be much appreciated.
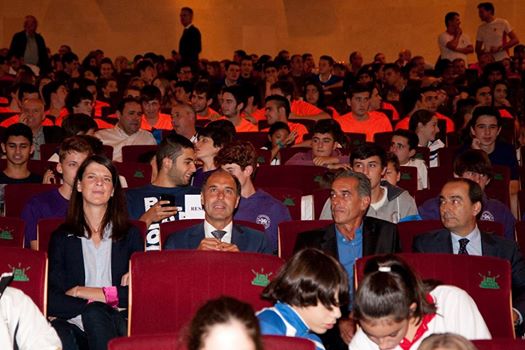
(349, 251)
(282, 319)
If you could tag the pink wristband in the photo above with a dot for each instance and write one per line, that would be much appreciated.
(111, 295)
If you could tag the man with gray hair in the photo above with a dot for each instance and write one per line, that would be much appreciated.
(351, 236)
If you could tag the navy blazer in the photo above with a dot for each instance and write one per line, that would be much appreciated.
(379, 237)
(66, 270)
(439, 241)
(245, 238)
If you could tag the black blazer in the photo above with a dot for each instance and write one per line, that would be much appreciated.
(66, 270)
(439, 241)
(190, 45)
(18, 48)
(245, 238)
(379, 237)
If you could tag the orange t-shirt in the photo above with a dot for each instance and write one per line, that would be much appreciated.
(163, 123)
(98, 107)
(390, 107)
(304, 109)
(403, 123)
(505, 114)
(212, 115)
(376, 122)
(259, 114)
(16, 119)
(4, 100)
(246, 126)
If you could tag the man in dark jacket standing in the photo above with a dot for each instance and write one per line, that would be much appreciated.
(190, 41)
(30, 45)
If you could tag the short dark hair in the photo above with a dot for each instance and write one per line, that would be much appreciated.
(171, 147)
(449, 17)
(150, 93)
(281, 102)
(410, 135)
(392, 66)
(229, 63)
(185, 85)
(483, 111)
(78, 123)
(487, 6)
(142, 65)
(422, 116)
(69, 57)
(220, 136)
(474, 160)
(50, 88)
(308, 278)
(75, 96)
(392, 158)
(287, 87)
(329, 126)
(219, 311)
(187, 9)
(389, 287)
(241, 153)
(238, 94)
(327, 58)
(357, 89)
(203, 87)
(368, 150)
(278, 126)
(122, 103)
(25, 88)
(475, 193)
(18, 129)
(74, 144)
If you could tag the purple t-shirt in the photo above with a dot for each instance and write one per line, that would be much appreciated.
(44, 205)
(263, 209)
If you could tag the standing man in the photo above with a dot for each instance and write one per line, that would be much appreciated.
(30, 45)
(190, 41)
(452, 42)
(495, 35)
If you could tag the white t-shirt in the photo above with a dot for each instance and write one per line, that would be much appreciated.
(493, 34)
(448, 54)
(456, 313)
(422, 172)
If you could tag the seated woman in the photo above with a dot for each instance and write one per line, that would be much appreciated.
(395, 309)
(308, 291)
(89, 259)
(425, 124)
(224, 323)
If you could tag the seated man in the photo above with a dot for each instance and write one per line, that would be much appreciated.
(403, 145)
(240, 160)
(298, 107)
(127, 131)
(82, 101)
(53, 204)
(351, 236)
(220, 197)
(233, 102)
(475, 165)
(152, 119)
(277, 109)
(360, 119)
(183, 121)
(460, 206)
(327, 140)
(175, 164)
(389, 203)
(202, 99)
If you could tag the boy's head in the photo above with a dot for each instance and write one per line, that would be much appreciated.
(239, 158)
(327, 135)
(403, 145)
(17, 144)
(392, 173)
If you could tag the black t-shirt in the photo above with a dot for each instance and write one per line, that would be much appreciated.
(32, 178)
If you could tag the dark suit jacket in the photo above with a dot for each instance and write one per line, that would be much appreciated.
(190, 45)
(379, 237)
(439, 241)
(245, 238)
(18, 48)
(66, 270)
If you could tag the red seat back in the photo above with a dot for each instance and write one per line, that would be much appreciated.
(500, 344)
(167, 287)
(11, 232)
(486, 279)
(136, 174)
(279, 342)
(30, 272)
(290, 230)
(305, 178)
(408, 179)
(133, 153)
(290, 197)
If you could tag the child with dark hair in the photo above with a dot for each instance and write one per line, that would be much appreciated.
(309, 291)
(396, 309)
(278, 137)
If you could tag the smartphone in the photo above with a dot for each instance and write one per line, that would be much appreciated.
(168, 197)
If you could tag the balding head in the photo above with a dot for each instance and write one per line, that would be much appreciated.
(32, 113)
(183, 120)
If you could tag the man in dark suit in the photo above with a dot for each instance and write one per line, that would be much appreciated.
(351, 236)
(30, 45)
(190, 41)
(220, 196)
(460, 205)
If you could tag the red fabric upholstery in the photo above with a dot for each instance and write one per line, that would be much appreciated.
(500, 344)
(17, 195)
(167, 287)
(45, 228)
(168, 228)
(264, 156)
(498, 188)
(289, 152)
(383, 139)
(11, 232)
(147, 342)
(408, 180)
(410, 229)
(133, 153)
(257, 138)
(48, 149)
(473, 274)
(305, 178)
(136, 174)
(289, 230)
(520, 235)
(290, 197)
(278, 342)
(30, 271)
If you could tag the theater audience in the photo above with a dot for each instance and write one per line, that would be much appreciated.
(425, 124)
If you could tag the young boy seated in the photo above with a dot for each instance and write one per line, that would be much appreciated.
(403, 145)
(392, 174)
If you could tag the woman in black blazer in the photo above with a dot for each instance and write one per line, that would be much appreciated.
(89, 258)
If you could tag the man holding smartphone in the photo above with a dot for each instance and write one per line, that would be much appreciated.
(162, 200)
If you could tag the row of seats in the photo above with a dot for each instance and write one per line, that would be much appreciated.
(167, 287)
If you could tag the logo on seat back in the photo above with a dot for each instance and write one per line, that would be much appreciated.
(261, 279)
(489, 282)
(19, 273)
